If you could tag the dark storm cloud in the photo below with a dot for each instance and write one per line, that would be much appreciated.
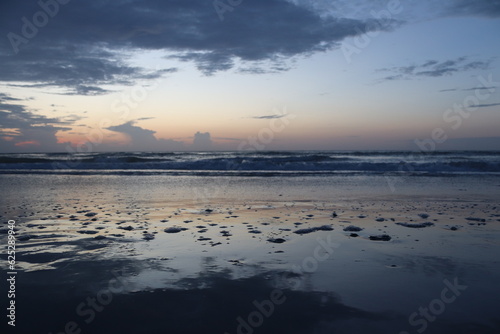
(84, 45)
(486, 8)
(77, 71)
(434, 68)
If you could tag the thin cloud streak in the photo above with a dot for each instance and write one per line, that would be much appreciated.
(434, 68)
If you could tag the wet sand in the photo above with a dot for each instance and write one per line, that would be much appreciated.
(158, 254)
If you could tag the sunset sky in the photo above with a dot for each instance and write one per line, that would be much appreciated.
(162, 75)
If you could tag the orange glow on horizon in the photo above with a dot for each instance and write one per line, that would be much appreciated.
(26, 143)
(95, 138)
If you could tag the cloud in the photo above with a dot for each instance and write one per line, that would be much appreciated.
(269, 116)
(228, 139)
(87, 43)
(88, 90)
(434, 68)
(485, 105)
(141, 139)
(23, 129)
(76, 72)
(485, 8)
(5, 97)
(488, 88)
(276, 65)
(202, 141)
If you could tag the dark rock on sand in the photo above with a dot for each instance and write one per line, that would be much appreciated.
(255, 231)
(25, 237)
(276, 240)
(352, 228)
(314, 229)
(324, 228)
(148, 236)
(382, 237)
(175, 229)
(87, 232)
(416, 225)
(476, 219)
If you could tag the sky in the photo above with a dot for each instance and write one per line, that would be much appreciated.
(191, 75)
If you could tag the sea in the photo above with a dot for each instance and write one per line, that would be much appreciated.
(263, 163)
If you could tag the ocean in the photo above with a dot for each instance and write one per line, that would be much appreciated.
(255, 163)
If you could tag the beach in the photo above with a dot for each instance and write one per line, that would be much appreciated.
(161, 253)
